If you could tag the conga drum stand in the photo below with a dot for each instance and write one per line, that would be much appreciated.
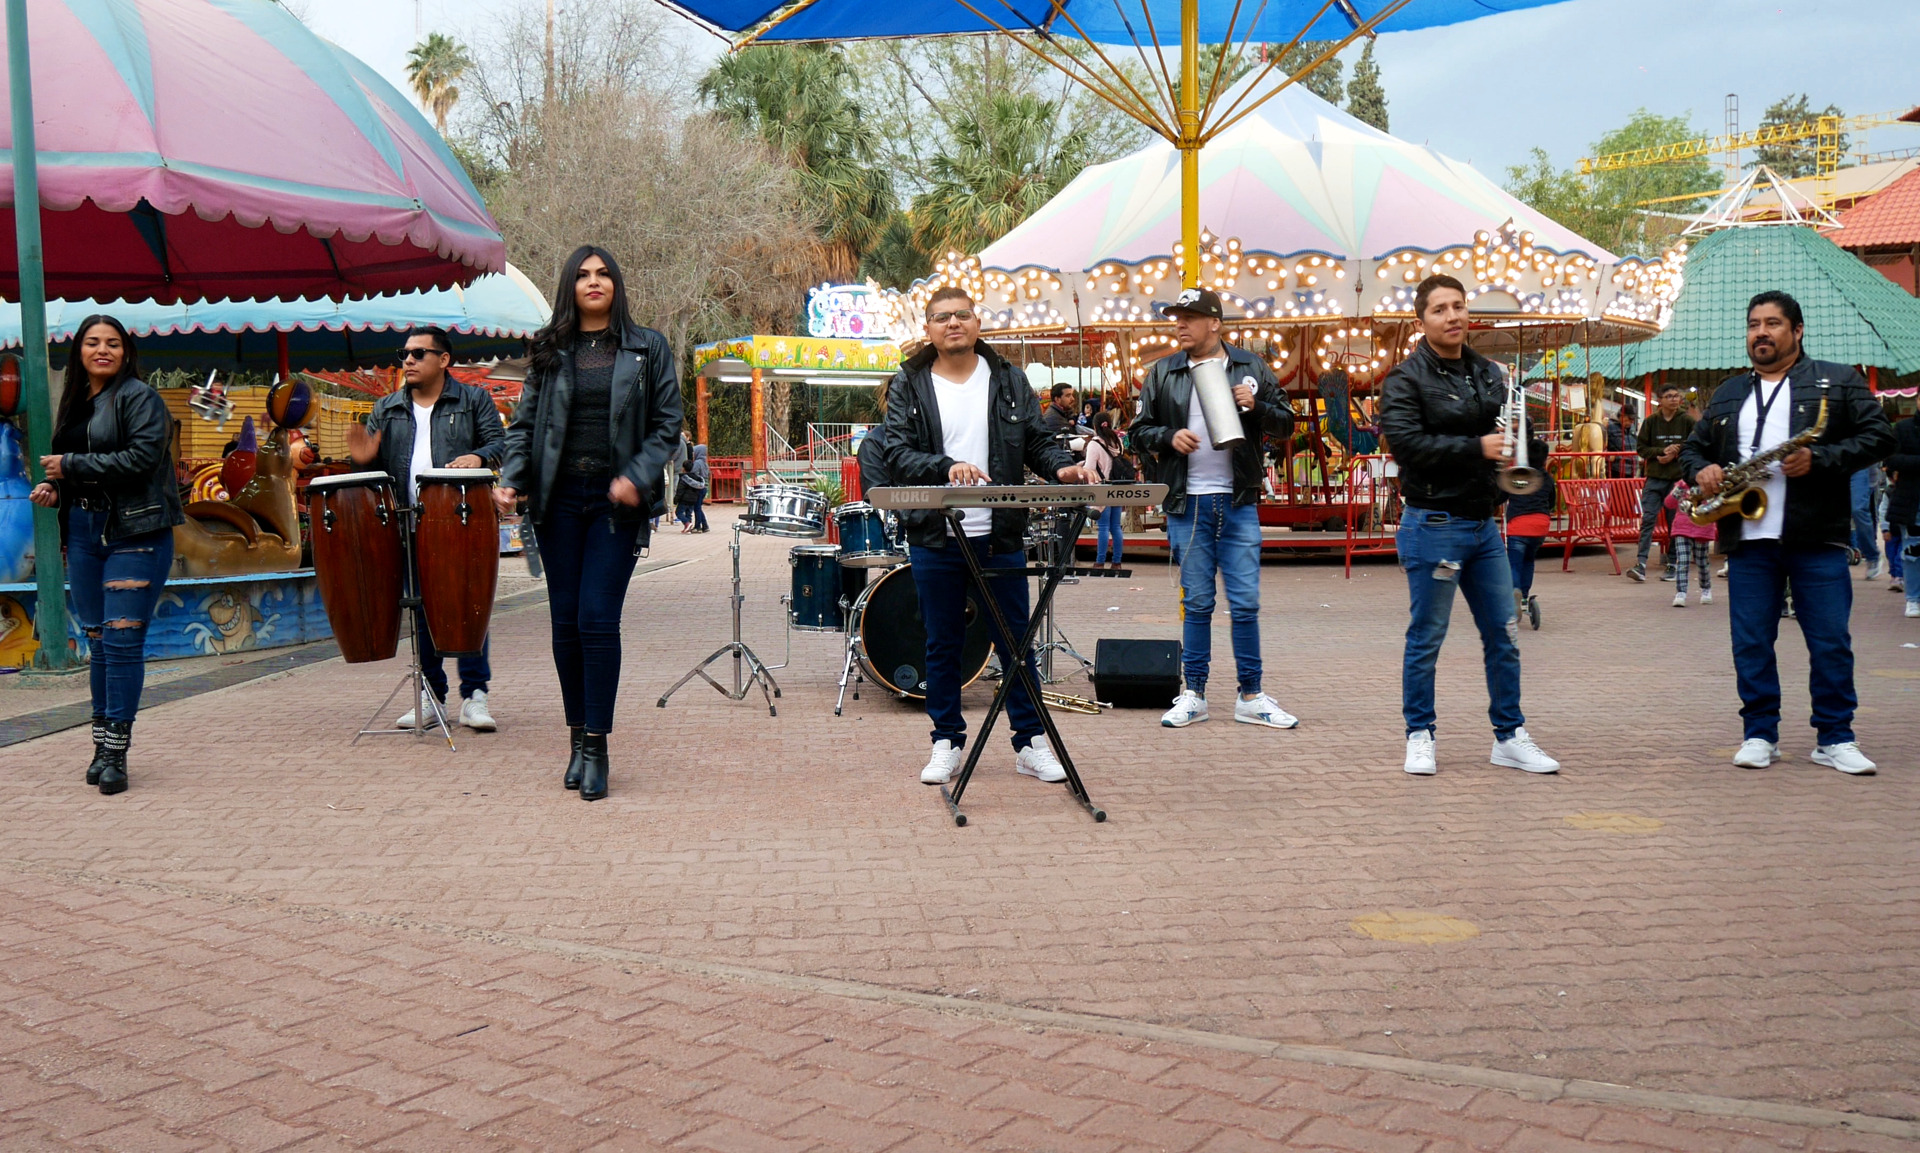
(748, 669)
(413, 677)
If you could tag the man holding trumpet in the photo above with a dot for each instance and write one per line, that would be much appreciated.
(1440, 411)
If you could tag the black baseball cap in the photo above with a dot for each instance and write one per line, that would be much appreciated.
(1198, 302)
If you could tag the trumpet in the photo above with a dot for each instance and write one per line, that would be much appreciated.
(1072, 703)
(1516, 478)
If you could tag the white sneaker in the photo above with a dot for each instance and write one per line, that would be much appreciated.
(1679, 600)
(1037, 761)
(1913, 608)
(941, 764)
(474, 714)
(1845, 756)
(1188, 708)
(1877, 568)
(423, 709)
(1420, 754)
(1706, 596)
(1263, 710)
(1756, 753)
(1519, 752)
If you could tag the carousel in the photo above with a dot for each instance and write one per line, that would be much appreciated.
(1316, 229)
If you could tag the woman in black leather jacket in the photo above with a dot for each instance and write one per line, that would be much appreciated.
(111, 474)
(588, 446)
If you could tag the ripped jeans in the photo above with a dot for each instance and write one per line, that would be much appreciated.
(1438, 552)
(114, 590)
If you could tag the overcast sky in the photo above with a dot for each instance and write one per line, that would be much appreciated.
(1555, 77)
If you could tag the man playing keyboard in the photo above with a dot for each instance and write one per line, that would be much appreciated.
(958, 413)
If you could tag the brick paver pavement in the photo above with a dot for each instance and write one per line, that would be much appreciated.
(1652, 917)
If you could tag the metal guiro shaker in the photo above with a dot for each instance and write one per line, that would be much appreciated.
(1217, 405)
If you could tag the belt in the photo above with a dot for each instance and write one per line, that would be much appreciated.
(93, 503)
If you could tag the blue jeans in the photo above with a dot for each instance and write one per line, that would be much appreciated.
(692, 511)
(1521, 551)
(1757, 576)
(1107, 532)
(1865, 540)
(1910, 553)
(1215, 537)
(1439, 551)
(940, 577)
(1896, 552)
(115, 588)
(589, 560)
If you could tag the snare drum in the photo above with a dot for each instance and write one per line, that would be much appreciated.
(458, 546)
(891, 637)
(788, 510)
(866, 537)
(814, 605)
(358, 561)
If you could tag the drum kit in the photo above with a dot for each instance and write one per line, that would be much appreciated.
(366, 544)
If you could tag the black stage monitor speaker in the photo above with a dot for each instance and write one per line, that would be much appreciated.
(1136, 674)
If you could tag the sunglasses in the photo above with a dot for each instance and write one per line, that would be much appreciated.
(407, 354)
(962, 314)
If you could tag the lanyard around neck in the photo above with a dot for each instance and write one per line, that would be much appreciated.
(1762, 407)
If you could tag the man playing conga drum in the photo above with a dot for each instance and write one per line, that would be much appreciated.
(464, 431)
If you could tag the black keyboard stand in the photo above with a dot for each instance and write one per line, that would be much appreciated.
(1050, 575)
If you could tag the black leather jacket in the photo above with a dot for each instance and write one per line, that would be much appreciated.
(129, 461)
(465, 421)
(1017, 441)
(1819, 504)
(646, 427)
(1164, 402)
(1903, 502)
(1432, 417)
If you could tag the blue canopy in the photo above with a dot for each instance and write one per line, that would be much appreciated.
(1102, 21)
(490, 319)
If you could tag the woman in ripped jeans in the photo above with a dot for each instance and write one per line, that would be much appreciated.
(111, 476)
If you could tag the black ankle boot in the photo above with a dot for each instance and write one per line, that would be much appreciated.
(576, 763)
(113, 772)
(99, 750)
(593, 762)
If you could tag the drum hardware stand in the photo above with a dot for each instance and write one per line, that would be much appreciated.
(850, 670)
(748, 669)
(410, 604)
(1051, 575)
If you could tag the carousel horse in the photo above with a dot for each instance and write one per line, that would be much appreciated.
(256, 530)
(1590, 435)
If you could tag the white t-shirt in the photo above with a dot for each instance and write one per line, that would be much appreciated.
(966, 414)
(422, 448)
(1779, 427)
(1209, 469)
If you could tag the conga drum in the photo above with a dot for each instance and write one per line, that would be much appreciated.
(457, 546)
(354, 522)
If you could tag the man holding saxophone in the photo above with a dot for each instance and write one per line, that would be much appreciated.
(1772, 460)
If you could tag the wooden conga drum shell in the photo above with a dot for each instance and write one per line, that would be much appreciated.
(354, 523)
(458, 546)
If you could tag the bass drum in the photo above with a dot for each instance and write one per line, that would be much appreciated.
(891, 638)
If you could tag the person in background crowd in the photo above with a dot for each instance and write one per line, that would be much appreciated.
(1088, 408)
(1803, 534)
(434, 422)
(1691, 541)
(1866, 485)
(1062, 409)
(1903, 504)
(588, 448)
(1439, 410)
(691, 483)
(1659, 441)
(1620, 439)
(1529, 517)
(1212, 503)
(111, 477)
(1110, 466)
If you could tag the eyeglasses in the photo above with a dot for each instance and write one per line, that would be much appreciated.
(407, 354)
(960, 314)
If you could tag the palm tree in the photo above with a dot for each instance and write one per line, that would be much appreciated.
(799, 100)
(435, 66)
(1002, 168)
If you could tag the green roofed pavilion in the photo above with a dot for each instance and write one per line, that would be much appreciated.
(1854, 315)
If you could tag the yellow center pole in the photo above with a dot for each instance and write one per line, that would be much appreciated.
(1190, 142)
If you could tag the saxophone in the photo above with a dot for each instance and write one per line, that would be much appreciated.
(1740, 490)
